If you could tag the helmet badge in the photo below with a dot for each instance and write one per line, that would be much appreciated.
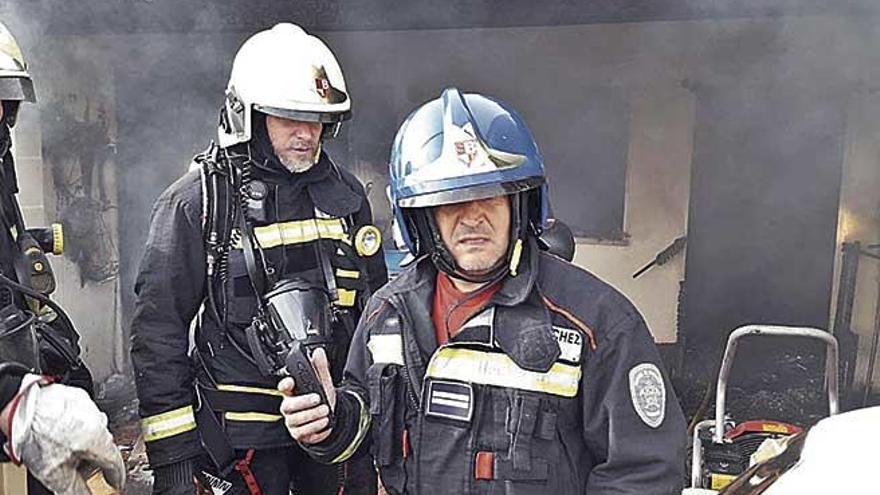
(322, 86)
(469, 150)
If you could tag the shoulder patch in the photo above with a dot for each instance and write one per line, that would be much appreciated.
(368, 240)
(648, 393)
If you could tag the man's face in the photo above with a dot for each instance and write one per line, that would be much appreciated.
(296, 143)
(477, 233)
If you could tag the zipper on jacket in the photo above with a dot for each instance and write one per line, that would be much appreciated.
(410, 393)
(415, 448)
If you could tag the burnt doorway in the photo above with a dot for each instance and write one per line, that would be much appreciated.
(762, 229)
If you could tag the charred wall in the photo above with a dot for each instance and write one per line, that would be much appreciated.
(162, 92)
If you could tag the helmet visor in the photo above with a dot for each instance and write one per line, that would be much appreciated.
(322, 117)
(473, 193)
(17, 89)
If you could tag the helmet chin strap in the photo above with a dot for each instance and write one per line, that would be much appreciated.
(318, 151)
(5, 139)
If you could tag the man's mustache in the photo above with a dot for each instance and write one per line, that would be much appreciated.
(300, 144)
(481, 230)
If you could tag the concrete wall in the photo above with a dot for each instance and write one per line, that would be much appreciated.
(63, 180)
(28, 155)
(658, 180)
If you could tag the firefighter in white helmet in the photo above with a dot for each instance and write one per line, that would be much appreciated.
(268, 245)
(55, 430)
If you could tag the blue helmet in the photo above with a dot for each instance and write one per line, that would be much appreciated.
(465, 147)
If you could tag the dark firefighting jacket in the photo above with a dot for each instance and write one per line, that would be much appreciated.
(322, 208)
(556, 388)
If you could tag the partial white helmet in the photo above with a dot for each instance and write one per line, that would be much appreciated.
(15, 82)
(284, 72)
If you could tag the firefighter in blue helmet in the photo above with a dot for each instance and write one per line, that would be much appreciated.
(489, 366)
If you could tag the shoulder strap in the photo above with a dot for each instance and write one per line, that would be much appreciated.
(217, 198)
(217, 194)
(256, 275)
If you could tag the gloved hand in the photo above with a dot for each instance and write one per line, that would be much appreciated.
(59, 434)
(177, 479)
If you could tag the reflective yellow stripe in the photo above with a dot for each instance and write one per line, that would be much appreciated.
(720, 481)
(363, 428)
(252, 416)
(348, 273)
(249, 390)
(346, 297)
(493, 368)
(298, 231)
(168, 424)
(57, 239)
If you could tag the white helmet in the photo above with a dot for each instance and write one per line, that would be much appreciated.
(15, 82)
(284, 72)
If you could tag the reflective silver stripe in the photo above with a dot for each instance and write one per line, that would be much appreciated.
(452, 403)
(497, 369)
(168, 424)
(363, 428)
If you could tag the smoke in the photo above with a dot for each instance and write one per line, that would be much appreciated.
(772, 85)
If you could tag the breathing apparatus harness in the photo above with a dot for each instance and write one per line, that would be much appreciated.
(292, 316)
(231, 195)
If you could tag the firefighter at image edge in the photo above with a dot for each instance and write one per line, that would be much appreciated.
(55, 430)
(488, 365)
(262, 211)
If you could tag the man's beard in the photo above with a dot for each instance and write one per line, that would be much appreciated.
(296, 166)
(481, 265)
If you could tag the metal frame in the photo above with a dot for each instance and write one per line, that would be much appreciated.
(831, 370)
(717, 424)
(697, 453)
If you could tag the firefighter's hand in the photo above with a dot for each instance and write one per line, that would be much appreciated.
(305, 419)
(60, 435)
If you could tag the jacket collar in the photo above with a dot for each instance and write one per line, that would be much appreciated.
(523, 324)
(323, 183)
